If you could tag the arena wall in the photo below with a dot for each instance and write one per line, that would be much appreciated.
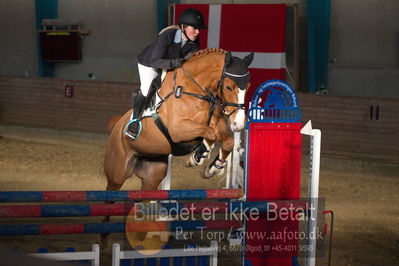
(41, 102)
(352, 127)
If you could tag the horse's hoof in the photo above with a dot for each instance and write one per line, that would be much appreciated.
(191, 161)
(217, 167)
(209, 173)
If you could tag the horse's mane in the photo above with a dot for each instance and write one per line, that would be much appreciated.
(207, 51)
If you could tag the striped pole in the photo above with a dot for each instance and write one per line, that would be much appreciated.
(99, 228)
(124, 209)
(64, 196)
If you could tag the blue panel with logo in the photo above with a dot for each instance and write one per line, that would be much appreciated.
(274, 101)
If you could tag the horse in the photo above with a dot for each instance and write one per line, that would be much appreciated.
(200, 101)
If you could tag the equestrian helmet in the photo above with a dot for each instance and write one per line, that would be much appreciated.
(192, 17)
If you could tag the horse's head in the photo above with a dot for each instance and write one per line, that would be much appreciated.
(233, 87)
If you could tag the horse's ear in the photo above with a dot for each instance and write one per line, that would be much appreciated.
(228, 58)
(248, 59)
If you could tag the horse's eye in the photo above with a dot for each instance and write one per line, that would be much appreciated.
(229, 88)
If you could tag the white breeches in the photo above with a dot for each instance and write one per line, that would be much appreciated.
(147, 74)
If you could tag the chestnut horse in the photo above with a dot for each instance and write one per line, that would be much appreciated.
(211, 77)
(199, 101)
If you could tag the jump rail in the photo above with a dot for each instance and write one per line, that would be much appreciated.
(82, 196)
(118, 209)
(93, 256)
(100, 228)
(204, 252)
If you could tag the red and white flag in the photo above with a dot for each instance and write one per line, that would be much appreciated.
(244, 28)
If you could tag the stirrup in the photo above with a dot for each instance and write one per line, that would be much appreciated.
(130, 134)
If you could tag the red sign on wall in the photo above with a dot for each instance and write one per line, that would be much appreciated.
(68, 91)
(60, 46)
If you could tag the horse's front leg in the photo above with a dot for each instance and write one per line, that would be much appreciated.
(223, 134)
(188, 130)
(202, 153)
(217, 167)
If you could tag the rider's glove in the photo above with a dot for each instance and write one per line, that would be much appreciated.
(176, 63)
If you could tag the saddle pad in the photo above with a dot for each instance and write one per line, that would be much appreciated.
(153, 107)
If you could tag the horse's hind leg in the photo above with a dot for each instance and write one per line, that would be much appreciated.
(151, 171)
(117, 167)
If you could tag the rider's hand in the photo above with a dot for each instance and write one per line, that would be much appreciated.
(176, 63)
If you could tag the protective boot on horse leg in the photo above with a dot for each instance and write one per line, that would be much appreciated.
(141, 102)
(218, 166)
(201, 154)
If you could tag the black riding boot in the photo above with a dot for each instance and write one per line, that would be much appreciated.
(140, 103)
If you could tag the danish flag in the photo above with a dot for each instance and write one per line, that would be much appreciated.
(245, 28)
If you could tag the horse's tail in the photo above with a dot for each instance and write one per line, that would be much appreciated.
(112, 122)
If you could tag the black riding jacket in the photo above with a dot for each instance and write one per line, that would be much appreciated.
(167, 46)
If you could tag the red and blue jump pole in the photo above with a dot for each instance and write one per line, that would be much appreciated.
(118, 209)
(100, 228)
(65, 196)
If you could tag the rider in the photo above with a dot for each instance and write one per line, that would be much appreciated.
(167, 52)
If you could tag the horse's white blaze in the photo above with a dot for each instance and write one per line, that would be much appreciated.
(239, 121)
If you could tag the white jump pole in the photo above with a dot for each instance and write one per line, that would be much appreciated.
(237, 169)
(315, 145)
(235, 173)
(166, 181)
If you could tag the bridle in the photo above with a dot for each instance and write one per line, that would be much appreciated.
(212, 97)
(237, 79)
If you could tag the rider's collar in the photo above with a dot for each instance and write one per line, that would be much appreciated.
(178, 37)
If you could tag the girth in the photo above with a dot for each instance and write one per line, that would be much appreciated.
(178, 149)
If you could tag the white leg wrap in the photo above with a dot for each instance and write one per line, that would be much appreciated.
(192, 161)
(217, 167)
